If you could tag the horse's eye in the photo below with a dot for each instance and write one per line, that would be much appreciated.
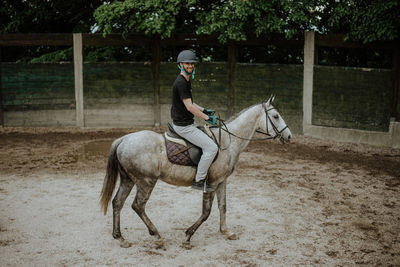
(276, 117)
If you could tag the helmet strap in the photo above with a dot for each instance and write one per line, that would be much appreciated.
(187, 73)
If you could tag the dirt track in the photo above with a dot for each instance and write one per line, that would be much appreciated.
(308, 202)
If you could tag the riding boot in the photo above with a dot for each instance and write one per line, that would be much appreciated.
(203, 185)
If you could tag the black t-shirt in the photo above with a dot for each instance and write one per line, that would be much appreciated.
(181, 89)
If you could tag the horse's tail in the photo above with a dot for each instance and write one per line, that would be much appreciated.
(111, 176)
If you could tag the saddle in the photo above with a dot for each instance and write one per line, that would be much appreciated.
(180, 151)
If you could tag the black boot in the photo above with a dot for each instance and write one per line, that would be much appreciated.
(202, 185)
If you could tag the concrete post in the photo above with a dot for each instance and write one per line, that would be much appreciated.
(394, 131)
(78, 74)
(1, 97)
(232, 59)
(156, 63)
(308, 76)
(395, 107)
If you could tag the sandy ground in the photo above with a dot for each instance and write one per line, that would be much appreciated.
(310, 202)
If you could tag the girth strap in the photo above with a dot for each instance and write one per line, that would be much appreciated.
(182, 150)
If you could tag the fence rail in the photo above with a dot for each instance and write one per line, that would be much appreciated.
(301, 106)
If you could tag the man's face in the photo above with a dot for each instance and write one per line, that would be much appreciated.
(188, 66)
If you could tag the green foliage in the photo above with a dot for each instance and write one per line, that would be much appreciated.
(150, 16)
(227, 19)
(40, 16)
(53, 57)
(370, 20)
(360, 20)
(365, 20)
(44, 16)
(116, 54)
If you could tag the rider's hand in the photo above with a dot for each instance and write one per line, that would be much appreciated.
(212, 120)
(209, 111)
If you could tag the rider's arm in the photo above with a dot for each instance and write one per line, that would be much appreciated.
(194, 108)
(197, 106)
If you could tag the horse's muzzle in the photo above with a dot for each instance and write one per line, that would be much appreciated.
(283, 140)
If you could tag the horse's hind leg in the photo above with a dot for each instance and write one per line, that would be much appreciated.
(125, 188)
(144, 189)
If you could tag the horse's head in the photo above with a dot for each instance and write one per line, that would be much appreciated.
(273, 124)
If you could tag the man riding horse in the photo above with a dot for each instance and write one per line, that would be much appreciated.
(141, 158)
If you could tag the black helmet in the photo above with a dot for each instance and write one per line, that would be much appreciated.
(186, 56)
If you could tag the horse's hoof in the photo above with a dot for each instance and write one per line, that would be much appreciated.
(189, 232)
(151, 232)
(233, 237)
(187, 245)
(160, 245)
(229, 235)
(125, 244)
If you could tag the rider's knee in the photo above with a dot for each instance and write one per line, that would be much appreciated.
(214, 149)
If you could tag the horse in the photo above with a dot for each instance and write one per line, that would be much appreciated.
(140, 159)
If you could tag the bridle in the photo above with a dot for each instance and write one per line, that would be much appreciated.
(278, 133)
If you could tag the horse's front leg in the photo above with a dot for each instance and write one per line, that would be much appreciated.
(221, 196)
(207, 204)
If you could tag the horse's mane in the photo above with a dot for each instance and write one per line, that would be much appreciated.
(234, 116)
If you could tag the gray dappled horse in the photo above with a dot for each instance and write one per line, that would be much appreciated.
(140, 159)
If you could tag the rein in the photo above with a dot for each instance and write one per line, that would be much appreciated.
(222, 123)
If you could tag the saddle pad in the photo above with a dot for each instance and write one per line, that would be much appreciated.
(175, 140)
(177, 153)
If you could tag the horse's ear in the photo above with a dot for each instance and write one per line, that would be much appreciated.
(268, 101)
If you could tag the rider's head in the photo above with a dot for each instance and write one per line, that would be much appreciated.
(186, 62)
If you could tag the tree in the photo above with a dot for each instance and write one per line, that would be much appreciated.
(360, 20)
(42, 16)
(150, 16)
(364, 20)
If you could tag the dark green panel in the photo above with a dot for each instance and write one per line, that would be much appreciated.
(257, 82)
(37, 86)
(168, 74)
(342, 97)
(210, 88)
(354, 98)
(131, 82)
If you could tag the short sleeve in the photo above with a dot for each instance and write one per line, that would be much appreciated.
(183, 90)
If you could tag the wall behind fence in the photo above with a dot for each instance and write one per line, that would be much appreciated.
(257, 82)
(122, 94)
(118, 94)
(38, 94)
(355, 98)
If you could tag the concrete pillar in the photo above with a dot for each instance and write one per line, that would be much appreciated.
(156, 62)
(78, 74)
(308, 76)
(394, 131)
(1, 97)
(232, 59)
(395, 107)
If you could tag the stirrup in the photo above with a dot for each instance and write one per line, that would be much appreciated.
(205, 187)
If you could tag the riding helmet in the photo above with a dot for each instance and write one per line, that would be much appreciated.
(186, 56)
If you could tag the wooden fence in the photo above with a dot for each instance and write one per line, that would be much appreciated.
(314, 93)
